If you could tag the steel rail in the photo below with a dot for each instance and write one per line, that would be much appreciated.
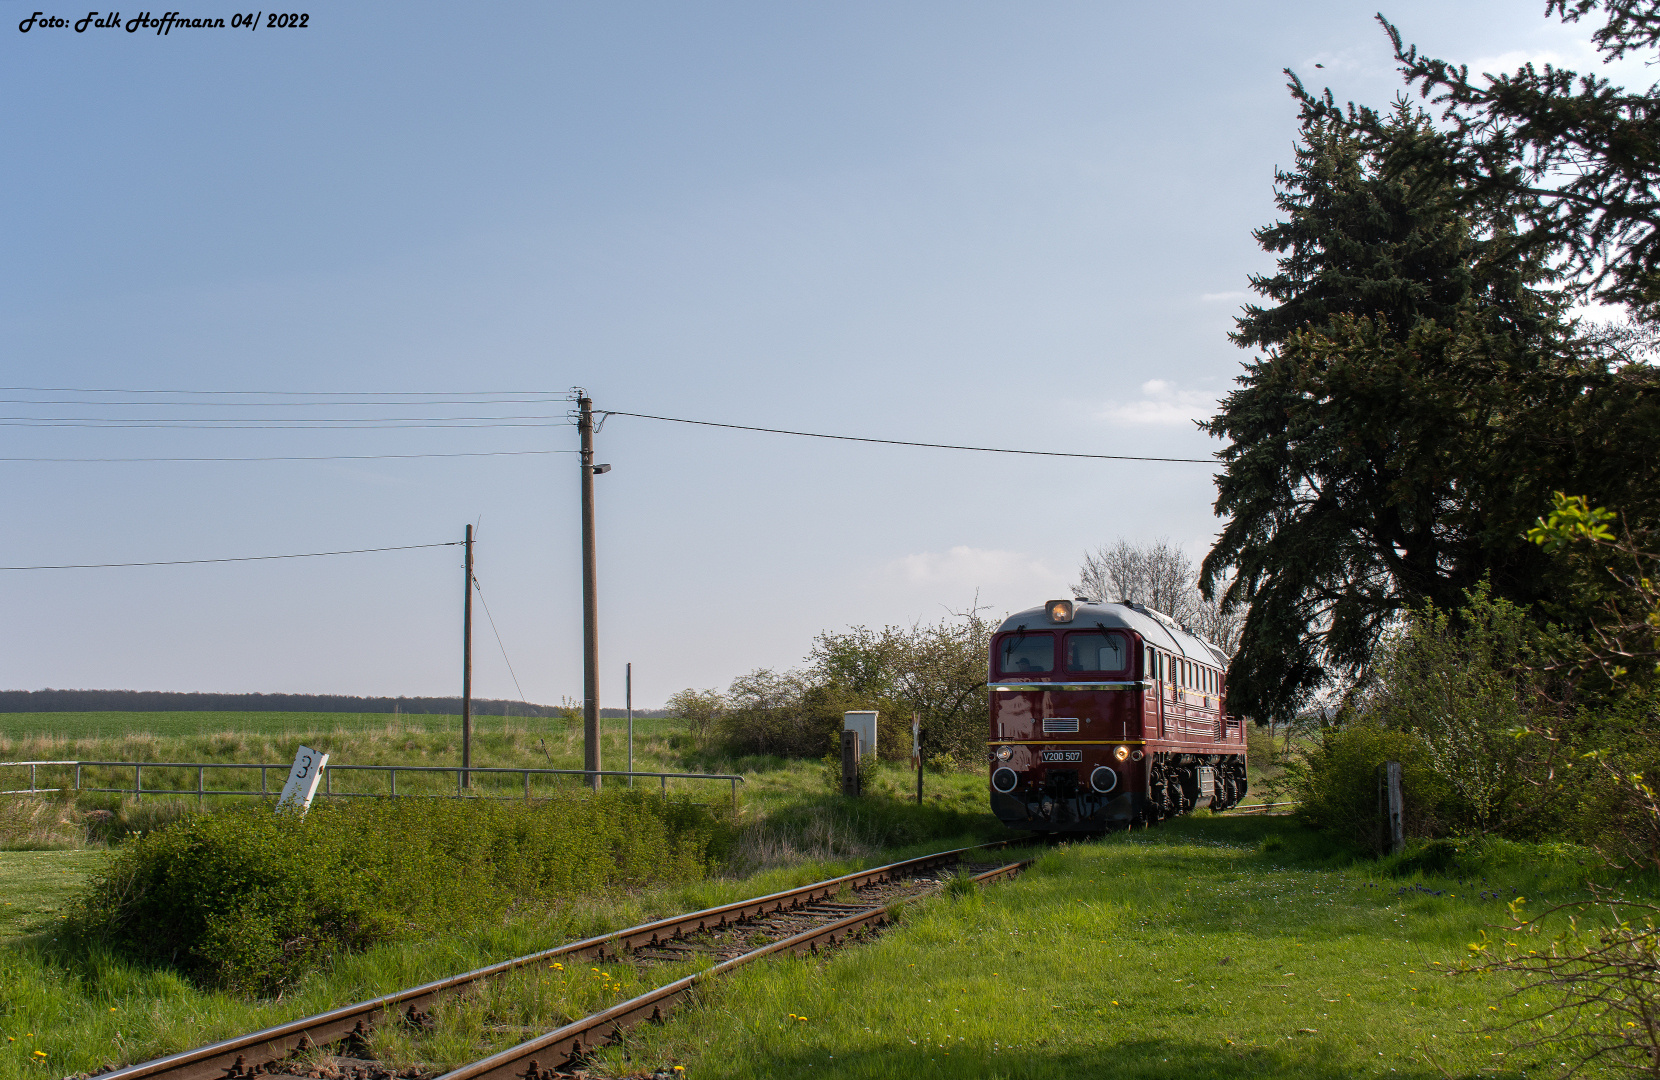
(570, 1043)
(238, 1056)
(1257, 808)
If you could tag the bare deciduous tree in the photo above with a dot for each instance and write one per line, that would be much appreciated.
(1159, 575)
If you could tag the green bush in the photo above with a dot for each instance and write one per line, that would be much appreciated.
(248, 899)
(1335, 782)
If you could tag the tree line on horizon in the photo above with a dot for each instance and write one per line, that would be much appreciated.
(49, 700)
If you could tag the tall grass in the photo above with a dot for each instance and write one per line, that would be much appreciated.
(250, 900)
(31, 823)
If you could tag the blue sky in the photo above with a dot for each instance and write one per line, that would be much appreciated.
(994, 224)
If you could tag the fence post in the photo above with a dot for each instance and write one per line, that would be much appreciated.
(1392, 831)
(138, 783)
(850, 762)
(394, 775)
(527, 785)
(201, 797)
(77, 776)
(32, 784)
(734, 796)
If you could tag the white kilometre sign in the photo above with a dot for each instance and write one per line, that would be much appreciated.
(302, 780)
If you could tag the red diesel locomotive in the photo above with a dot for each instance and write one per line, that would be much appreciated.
(1108, 715)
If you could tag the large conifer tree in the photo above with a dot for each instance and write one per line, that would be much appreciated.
(1419, 394)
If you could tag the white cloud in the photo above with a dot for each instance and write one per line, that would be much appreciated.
(1506, 63)
(961, 570)
(1365, 62)
(1162, 404)
(1217, 297)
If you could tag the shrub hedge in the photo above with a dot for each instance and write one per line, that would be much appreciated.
(248, 899)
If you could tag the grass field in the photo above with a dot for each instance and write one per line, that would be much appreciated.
(1210, 947)
(660, 745)
(172, 725)
(35, 886)
(1189, 951)
(84, 1008)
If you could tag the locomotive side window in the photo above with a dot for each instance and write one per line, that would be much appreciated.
(1025, 653)
(1096, 650)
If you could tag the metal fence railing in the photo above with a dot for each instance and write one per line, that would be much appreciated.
(472, 782)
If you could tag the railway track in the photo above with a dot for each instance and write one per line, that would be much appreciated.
(1259, 808)
(804, 919)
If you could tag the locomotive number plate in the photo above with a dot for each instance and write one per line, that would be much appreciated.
(1062, 755)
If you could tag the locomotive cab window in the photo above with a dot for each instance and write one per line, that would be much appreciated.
(1096, 650)
(1022, 654)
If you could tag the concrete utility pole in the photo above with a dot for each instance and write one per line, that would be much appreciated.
(467, 669)
(590, 599)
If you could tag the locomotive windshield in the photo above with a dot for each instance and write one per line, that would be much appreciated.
(1096, 650)
(1022, 653)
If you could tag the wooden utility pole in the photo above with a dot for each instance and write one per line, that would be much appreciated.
(628, 701)
(590, 599)
(467, 668)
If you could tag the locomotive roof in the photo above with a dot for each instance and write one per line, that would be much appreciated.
(1155, 626)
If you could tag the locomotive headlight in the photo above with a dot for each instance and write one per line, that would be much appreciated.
(1005, 754)
(1059, 611)
(1122, 753)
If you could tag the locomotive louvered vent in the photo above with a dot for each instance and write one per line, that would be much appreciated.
(1054, 725)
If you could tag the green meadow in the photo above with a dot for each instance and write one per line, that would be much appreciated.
(1211, 947)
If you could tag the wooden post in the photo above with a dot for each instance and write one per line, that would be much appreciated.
(467, 669)
(916, 754)
(628, 702)
(850, 762)
(1392, 830)
(590, 598)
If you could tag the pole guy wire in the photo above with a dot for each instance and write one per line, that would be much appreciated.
(480, 589)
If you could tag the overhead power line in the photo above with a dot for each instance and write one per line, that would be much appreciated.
(239, 558)
(459, 422)
(292, 425)
(904, 442)
(480, 400)
(282, 393)
(132, 420)
(312, 457)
